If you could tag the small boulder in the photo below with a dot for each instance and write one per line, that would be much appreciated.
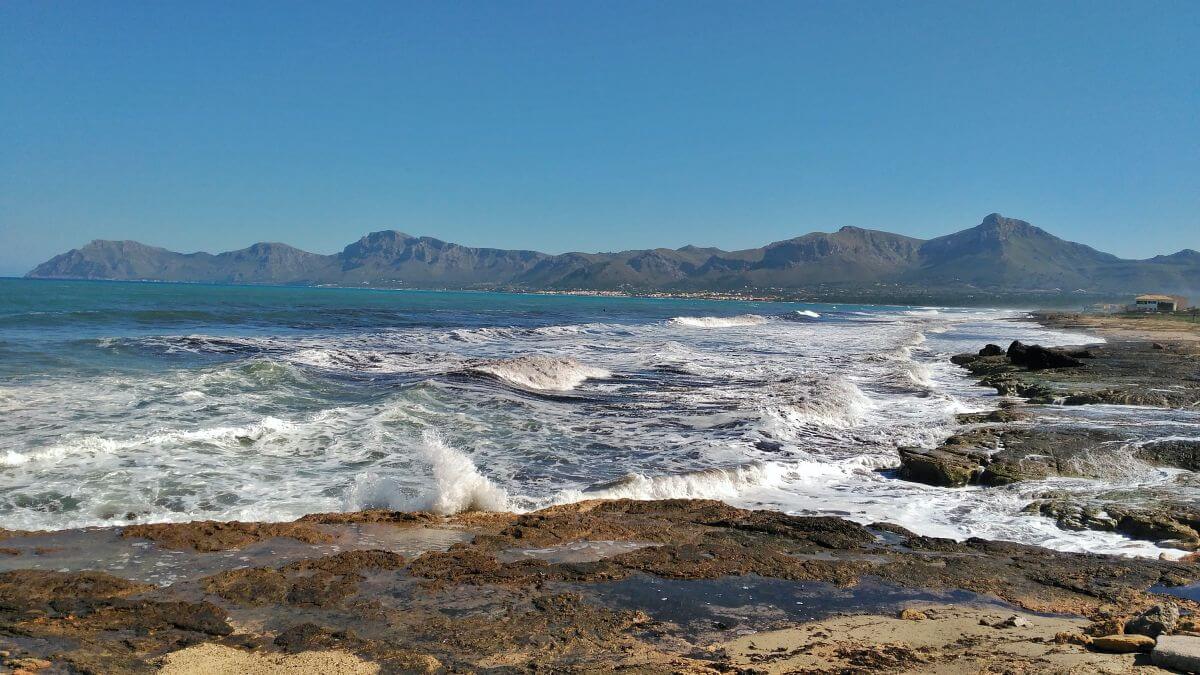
(1155, 621)
(937, 467)
(1177, 652)
(913, 615)
(1037, 357)
(992, 350)
(1123, 644)
(1014, 621)
(1068, 638)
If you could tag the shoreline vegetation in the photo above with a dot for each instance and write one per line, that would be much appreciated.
(689, 586)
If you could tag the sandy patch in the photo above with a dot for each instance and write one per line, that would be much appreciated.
(953, 639)
(211, 659)
(1148, 328)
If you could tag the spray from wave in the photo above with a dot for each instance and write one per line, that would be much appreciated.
(718, 321)
(457, 485)
(550, 373)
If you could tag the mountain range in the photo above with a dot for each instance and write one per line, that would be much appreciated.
(1000, 255)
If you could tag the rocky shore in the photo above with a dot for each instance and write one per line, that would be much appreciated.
(1144, 362)
(685, 586)
(604, 586)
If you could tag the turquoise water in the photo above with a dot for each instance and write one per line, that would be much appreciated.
(139, 402)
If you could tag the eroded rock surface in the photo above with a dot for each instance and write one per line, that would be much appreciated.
(476, 606)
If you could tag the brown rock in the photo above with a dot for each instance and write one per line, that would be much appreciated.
(1067, 638)
(208, 535)
(913, 615)
(28, 664)
(1123, 644)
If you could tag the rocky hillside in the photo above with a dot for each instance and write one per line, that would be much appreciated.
(999, 254)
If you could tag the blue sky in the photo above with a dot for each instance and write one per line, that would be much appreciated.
(593, 126)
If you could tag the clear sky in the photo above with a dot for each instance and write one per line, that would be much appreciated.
(593, 125)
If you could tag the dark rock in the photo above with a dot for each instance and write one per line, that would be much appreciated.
(937, 467)
(1036, 357)
(1179, 454)
(992, 350)
(1172, 525)
(311, 637)
(1155, 621)
(999, 415)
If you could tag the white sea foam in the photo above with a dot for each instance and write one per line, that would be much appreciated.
(552, 373)
(827, 401)
(809, 313)
(718, 321)
(795, 415)
(716, 483)
(457, 484)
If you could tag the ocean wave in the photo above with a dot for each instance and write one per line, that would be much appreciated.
(495, 333)
(824, 401)
(718, 321)
(457, 486)
(809, 313)
(551, 373)
(717, 483)
(228, 436)
(364, 360)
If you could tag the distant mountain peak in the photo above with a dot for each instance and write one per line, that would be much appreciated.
(1000, 253)
(994, 222)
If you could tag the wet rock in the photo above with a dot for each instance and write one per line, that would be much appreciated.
(1122, 373)
(1000, 415)
(398, 518)
(208, 535)
(309, 636)
(938, 467)
(991, 350)
(1181, 454)
(317, 582)
(1155, 621)
(1037, 357)
(1123, 644)
(1166, 524)
(997, 456)
(61, 592)
(1177, 652)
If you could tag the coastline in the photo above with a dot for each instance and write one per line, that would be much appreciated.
(689, 586)
(692, 586)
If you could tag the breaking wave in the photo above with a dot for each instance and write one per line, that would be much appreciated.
(809, 313)
(717, 483)
(92, 445)
(551, 373)
(833, 402)
(718, 321)
(457, 486)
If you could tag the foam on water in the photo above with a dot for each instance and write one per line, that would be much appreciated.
(771, 408)
(718, 321)
(457, 485)
(540, 372)
(717, 483)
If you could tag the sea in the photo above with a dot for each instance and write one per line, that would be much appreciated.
(150, 402)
